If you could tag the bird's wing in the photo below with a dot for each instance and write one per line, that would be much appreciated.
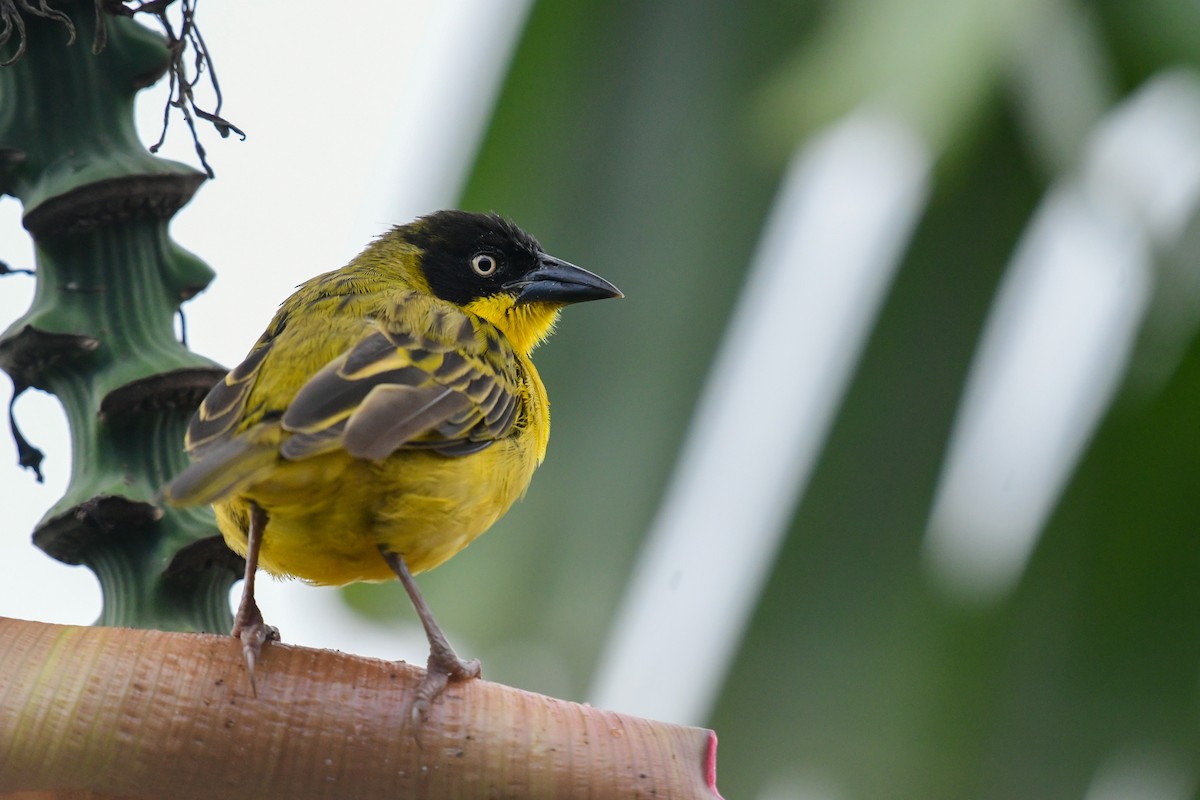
(218, 416)
(447, 389)
(223, 460)
(398, 389)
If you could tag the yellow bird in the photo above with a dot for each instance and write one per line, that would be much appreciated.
(388, 416)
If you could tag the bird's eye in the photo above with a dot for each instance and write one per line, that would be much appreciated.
(484, 264)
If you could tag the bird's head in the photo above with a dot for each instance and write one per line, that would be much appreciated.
(490, 267)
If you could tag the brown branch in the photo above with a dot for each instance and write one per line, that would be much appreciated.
(150, 714)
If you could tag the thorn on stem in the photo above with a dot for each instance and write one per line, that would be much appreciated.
(5, 269)
(28, 456)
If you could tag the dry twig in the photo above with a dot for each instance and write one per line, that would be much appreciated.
(184, 77)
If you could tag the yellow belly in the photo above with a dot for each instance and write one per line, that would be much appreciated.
(328, 515)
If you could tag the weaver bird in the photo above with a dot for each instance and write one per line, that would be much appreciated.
(388, 416)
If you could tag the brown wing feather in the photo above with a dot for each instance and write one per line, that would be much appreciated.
(393, 416)
(395, 389)
(222, 408)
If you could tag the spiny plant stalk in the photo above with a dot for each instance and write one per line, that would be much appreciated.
(100, 334)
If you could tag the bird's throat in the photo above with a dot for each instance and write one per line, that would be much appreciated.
(525, 326)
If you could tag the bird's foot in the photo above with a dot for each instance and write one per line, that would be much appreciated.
(443, 667)
(248, 626)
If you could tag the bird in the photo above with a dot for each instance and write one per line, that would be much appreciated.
(388, 416)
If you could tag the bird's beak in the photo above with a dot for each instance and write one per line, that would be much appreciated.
(556, 281)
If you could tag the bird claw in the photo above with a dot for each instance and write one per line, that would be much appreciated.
(253, 637)
(441, 670)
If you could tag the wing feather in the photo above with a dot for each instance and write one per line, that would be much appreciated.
(307, 445)
(334, 393)
(392, 416)
(219, 413)
(453, 389)
(396, 389)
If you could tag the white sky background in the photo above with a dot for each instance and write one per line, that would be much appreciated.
(336, 110)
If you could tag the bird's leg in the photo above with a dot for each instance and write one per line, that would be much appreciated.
(248, 623)
(444, 665)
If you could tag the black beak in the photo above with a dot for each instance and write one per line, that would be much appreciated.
(556, 281)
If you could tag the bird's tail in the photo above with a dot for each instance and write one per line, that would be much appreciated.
(220, 472)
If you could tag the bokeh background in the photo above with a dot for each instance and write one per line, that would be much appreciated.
(886, 467)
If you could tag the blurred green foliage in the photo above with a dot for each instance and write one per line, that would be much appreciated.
(645, 141)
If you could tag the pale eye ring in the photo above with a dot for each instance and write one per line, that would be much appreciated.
(484, 264)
